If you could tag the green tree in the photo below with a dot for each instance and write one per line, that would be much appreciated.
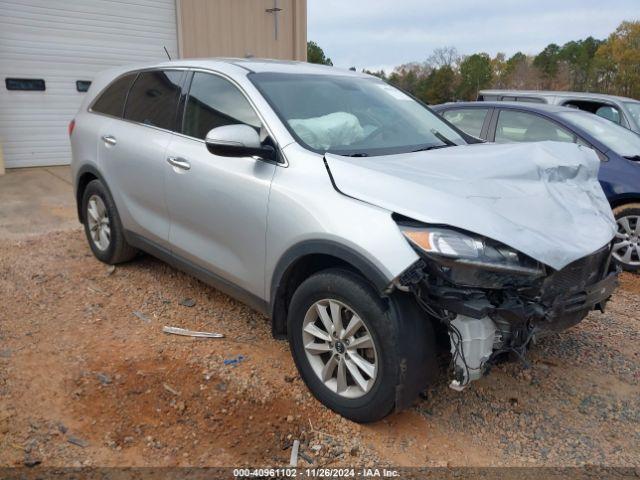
(547, 62)
(409, 76)
(379, 73)
(439, 86)
(500, 70)
(619, 60)
(315, 54)
(475, 74)
(579, 57)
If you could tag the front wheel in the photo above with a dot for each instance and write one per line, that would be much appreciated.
(357, 354)
(626, 247)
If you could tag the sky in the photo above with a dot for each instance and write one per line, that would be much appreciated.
(381, 34)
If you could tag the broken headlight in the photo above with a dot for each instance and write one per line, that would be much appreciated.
(452, 248)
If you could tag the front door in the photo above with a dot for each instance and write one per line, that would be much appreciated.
(218, 205)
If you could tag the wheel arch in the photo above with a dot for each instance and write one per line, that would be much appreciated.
(621, 200)
(86, 174)
(310, 257)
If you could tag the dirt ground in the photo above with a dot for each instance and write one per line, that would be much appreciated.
(87, 377)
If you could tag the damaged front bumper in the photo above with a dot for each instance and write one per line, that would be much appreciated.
(489, 313)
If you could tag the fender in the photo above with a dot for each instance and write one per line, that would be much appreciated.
(368, 269)
(84, 169)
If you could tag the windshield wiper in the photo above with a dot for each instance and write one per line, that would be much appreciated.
(635, 158)
(442, 138)
(359, 154)
(429, 147)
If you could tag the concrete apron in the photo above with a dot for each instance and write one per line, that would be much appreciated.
(34, 201)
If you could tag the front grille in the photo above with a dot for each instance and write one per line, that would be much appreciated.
(574, 278)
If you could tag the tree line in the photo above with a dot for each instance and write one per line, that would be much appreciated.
(589, 65)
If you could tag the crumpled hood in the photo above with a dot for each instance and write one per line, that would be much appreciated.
(542, 199)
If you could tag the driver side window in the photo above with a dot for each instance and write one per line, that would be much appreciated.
(214, 102)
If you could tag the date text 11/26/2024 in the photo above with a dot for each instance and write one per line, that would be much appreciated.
(315, 473)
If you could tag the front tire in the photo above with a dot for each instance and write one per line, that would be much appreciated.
(359, 355)
(626, 247)
(102, 225)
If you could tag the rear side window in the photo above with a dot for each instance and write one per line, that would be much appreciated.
(154, 98)
(469, 120)
(111, 101)
(531, 100)
(215, 102)
(516, 126)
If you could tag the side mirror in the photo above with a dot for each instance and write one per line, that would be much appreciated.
(238, 141)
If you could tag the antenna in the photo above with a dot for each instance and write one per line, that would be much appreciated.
(166, 51)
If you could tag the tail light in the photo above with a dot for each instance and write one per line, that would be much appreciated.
(72, 125)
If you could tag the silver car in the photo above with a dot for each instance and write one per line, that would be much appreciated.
(621, 110)
(371, 232)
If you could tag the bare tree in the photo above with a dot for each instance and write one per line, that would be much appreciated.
(444, 57)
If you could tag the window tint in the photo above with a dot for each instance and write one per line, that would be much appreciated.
(154, 98)
(527, 127)
(111, 101)
(469, 120)
(29, 84)
(214, 102)
(610, 113)
(83, 85)
(531, 100)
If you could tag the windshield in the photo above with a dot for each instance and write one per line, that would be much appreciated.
(634, 109)
(351, 115)
(622, 141)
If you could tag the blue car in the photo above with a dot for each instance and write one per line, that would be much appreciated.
(617, 148)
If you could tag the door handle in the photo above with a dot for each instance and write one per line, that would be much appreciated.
(109, 139)
(179, 163)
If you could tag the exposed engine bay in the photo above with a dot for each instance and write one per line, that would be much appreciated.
(490, 310)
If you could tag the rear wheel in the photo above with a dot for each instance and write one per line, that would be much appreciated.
(626, 248)
(103, 227)
(358, 355)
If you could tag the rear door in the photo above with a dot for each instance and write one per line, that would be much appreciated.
(134, 151)
(218, 205)
(473, 121)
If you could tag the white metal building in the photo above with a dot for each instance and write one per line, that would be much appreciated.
(50, 49)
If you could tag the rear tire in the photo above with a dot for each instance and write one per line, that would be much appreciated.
(103, 227)
(399, 360)
(628, 220)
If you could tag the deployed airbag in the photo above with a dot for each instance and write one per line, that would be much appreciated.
(543, 199)
(335, 129)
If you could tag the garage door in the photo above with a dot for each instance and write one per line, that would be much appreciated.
(57, 45)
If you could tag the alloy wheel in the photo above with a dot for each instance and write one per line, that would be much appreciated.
(626, 248)
(340, 348)
(98, 222)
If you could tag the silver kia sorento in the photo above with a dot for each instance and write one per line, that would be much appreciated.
(371, 232)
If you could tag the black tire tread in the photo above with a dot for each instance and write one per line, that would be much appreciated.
(406, 352)
(119, 250)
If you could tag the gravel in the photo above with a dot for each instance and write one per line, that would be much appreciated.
(134, 396)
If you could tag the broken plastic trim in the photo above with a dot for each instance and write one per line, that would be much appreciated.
(514, 314)
(191, 333)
